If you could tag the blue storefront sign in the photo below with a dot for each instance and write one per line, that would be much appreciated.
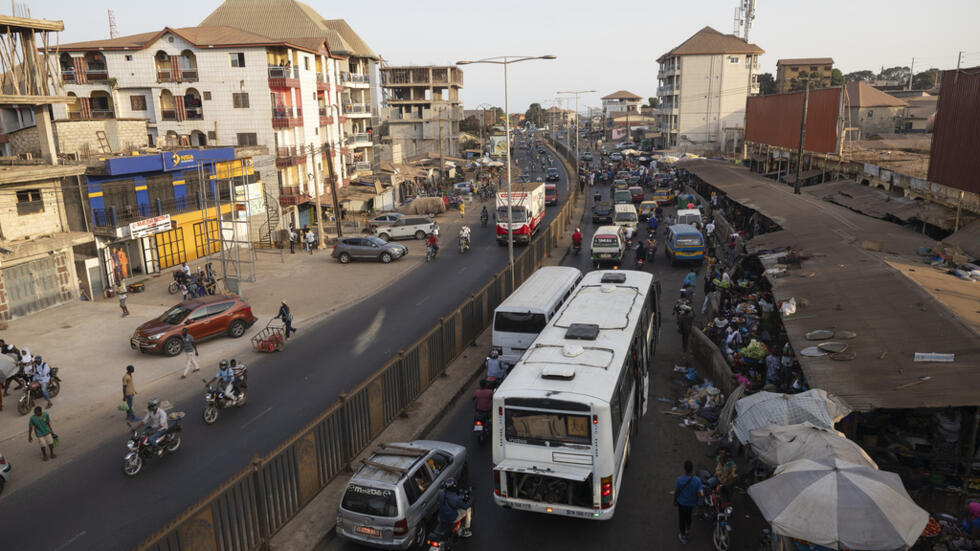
(167, 161)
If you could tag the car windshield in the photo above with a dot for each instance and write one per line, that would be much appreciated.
(174, 315)
(625, 217)
(377, 502)
(519, 214)
(376, 241)
(605, 241)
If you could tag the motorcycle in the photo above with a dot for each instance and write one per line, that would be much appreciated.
(215, 399)
(430, 253)
(180, 278)
(141, 450)
(719, 513)
(32, 392)
(577, 247)
(481, 426)
(437, 541)
(483, 220)
(464, 244)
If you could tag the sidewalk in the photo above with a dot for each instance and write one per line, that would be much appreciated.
(89, 341)
(313, 526)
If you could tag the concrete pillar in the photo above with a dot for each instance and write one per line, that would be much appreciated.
(45, 134)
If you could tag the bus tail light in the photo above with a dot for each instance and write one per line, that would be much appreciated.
(496, 482)
(595, 419)
(401, 527)
(606, 492)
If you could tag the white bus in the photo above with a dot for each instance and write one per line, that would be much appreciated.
(522, 315)
(564, 419)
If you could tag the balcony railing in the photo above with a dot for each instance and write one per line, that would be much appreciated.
(359, 139)
(194, 114)
(283, 77)
(103, 114)
(96, 75)
(168, 114)
(359, 78)
(321, 82)
(357, 109)
(68, 76)
(115, 216)
(188, 75)
(287, 117)
(290, 196)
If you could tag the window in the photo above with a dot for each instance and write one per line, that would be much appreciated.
(376, 502)
(519, 322)
(438, 462)
(794, 69)
(420, 479)
(212, 135)
(306, 62)
(828, 67)
(29, 201)
(129, 57)
(871, 114)
(247, 138)
(199, 314)
(219, 308)
(240, 99)
(137, 103)
(733, 59)
(207, 95)
(237, 59)
(813, 67)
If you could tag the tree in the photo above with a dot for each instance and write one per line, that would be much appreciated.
(653, 102)
(536, 115)
(471, 124)
(469, 144)
(836, 77)
(896, 74)
(926, 79)
(857, 76)
(767, 84)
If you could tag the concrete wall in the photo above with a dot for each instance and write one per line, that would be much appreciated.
(713, 92)
(79, 136)
(874, 120)
(15, 226)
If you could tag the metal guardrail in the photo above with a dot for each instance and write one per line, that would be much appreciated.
(247, 510)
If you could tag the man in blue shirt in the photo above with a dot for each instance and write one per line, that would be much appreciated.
(686, 492)
(453, 507)
(495, 369)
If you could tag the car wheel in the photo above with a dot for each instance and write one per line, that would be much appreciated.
(173, 346)
(237, 329)
(344, 258)
(420, 234)
(385, 258)
(384, 236)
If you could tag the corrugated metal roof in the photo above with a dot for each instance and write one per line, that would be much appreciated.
(967, 239)
(806, 61)
(345, 31)
(861, 94)
(709, 41)
(849, 288)
(953, 160)
(775, 120)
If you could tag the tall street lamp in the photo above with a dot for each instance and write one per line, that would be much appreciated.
(505, 61)
(577, 126)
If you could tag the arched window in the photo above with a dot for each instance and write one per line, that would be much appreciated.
(188, 66)
(161, 61)
(193, 108)
(74, 108)
(101, 103)
(168, 107)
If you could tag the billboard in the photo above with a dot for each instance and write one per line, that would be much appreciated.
(775, 120)
(498, 145)
(953, 159)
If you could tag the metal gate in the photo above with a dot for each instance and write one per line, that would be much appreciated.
(170, 246)
(203, 244)
(33, 286)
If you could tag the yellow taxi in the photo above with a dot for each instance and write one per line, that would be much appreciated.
(647, 209)
(663, 196)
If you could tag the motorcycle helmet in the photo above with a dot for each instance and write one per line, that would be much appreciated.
(449, 484)
(223, 364)
(494, 353)
(153, 404)
(37, 359)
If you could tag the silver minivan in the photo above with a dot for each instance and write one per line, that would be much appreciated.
(418, 227)
(390, 502)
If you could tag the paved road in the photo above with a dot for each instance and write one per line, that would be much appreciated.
(88, 504)
(645, 517)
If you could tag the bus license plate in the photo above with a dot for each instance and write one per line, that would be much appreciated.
(368, 531)
(477, 428)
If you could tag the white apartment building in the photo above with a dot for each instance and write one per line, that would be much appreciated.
(271, 73)
(621, 102)
(703, 84)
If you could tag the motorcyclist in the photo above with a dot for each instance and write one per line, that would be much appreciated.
(42, 374)
(483, 398)
(464, 234)
(641, 252)
(495, 368)
(577, 238)
(225, 378)
(484, 215)
(629, 234)
(433, 242)
(156, 418)
(453, 507)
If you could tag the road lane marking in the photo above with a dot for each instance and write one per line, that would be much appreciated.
(365, 339)
(256, 418)
(463, 269)
(71, 541)
(419, 303)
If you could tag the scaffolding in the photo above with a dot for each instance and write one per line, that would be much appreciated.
(229, 205)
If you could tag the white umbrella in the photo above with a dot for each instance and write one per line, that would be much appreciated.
(770, 408)
(495, 163)
(670, 159)
(838, 504)
(778, 444)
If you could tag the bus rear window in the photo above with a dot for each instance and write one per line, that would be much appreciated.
(689, 241)
(376, 502)
(519, 322)
(626, 217)
(546, 428)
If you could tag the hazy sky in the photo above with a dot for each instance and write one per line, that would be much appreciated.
(600, 46)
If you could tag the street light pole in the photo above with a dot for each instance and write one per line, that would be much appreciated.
(505, 61)
(577, 126)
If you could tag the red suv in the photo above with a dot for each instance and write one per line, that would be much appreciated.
(204, 318)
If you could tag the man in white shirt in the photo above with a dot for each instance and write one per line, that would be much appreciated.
(310, 239)
(709, 228)
(42, 374)
(156, 419)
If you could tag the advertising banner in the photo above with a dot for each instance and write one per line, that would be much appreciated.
(149, 226)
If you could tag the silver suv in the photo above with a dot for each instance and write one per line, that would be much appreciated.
(410, 226)
(390, 502)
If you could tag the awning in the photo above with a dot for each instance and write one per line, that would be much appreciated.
(568, 472)
(805, 175)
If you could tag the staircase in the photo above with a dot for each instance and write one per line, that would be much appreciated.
(270, 225)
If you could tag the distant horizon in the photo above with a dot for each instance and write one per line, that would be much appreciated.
(600, 50)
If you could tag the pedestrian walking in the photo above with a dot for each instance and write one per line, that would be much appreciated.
(462, 208)
(190, 352)
(286, 315)
(686, 492)
(39, 425)
(310, 238)
(685, 321)
(292, 241)
(129, 390)
(123, 294)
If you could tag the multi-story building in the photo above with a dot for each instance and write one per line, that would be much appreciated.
(790, 73)
(422, 108)
(621, 102)
(271, 73)
(702, 90)
(38, 250)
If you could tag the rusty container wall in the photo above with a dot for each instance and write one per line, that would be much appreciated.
(953, 160)
(775, 120)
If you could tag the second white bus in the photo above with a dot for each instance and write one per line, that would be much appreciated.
(522, 315)
(564, 419)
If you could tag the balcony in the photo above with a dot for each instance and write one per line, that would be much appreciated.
(357, 109)
(114, 216)
(96, 75)
(290, 156)
(355, 80)
(360, 139)
(188, 75)
(667, 72)
(325, 117)
(194, 114)
(283, 77)
(287, 117)
(168, 114)
(103, 114)
(321, 82)
(68, 76)
(291, 196)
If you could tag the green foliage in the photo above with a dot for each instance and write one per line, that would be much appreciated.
(899, 74)
(470, 144)
(926, 79)
(536, 115)
(836, 77)
(856, 76)
(470, 124)
(653, 102)
(767, 84)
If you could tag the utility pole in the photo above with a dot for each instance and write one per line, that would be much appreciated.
(911, 73)
(799, 149)
(320, 233)
(959, 59)
(578, 129)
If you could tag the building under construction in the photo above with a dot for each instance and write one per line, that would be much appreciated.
(422, 110)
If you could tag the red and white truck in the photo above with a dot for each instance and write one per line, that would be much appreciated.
(527, 205)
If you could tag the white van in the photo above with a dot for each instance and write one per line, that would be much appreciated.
(608, 246)
(522, 315)
(625, 215)
(689, 217)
